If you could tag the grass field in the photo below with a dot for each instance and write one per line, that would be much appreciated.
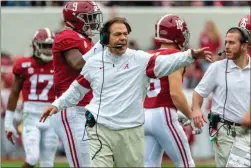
(65, 165)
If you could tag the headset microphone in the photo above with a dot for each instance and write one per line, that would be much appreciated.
(118, 46)
(221, 53)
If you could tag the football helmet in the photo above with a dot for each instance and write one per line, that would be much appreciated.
(84, 17)
(42, 44)
(172, 29)
(245, 22)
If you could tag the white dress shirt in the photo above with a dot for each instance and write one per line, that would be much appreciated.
(126, 78)
(238, 89)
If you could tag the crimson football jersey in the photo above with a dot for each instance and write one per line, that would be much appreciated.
(38, 79)
(158, 93)
(64, 75)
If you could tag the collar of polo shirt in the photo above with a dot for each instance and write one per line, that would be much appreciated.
(232, 65)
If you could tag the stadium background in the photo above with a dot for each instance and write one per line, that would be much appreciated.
(19, 21)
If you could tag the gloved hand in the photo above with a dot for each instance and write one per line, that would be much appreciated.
(195, 131)
(11, 132)
(185, 121)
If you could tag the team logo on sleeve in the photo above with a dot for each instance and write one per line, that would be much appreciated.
(26, 64)
(30, 70)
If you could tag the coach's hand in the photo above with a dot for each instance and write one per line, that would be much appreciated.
(198, 119)
(50, 110)
(202, 53)
(246, 120)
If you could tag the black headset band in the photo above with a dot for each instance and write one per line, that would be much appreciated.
(244, 33)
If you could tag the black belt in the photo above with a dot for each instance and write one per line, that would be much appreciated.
(229, 122)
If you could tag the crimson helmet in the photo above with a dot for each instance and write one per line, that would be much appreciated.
(172, 29)
(83, 16)
(245, 22)
(42, 44)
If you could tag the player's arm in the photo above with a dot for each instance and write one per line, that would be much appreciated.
(74, 58)
(178, 97)
(11, 107)
(15, 92)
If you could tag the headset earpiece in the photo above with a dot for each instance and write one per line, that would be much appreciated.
(104, 35)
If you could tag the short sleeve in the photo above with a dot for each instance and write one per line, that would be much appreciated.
(66, 43)
(208, 82)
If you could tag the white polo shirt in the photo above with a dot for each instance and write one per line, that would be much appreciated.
(238, 92)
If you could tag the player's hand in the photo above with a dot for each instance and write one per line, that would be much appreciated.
(246, 120)
(195, 131)
(198, 119)
(183, 119)
(11, 134)
(50, 110)
(202, 53)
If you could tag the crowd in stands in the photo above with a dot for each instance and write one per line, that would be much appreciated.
(132, 3)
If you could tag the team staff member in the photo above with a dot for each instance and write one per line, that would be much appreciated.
(229, 82)
(119, 77)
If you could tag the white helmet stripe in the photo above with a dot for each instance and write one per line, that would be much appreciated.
(35, 34)
(95, 6)
(162, 18)
(48, 33)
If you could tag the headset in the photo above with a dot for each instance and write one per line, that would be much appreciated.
(244, 34)
(244, 39)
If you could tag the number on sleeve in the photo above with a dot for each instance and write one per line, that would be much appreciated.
(154, 88)
(34, 79)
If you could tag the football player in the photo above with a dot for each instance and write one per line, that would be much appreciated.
(163, 132)
(82, 21)
(34, 77)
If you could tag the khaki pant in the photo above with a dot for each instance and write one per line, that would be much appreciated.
(124, 148)
(222, 146)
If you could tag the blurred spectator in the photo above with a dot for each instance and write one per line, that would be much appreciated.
(58, 3)
(155, 45)
(15, 3)
(38, 3)
(193, 75)
(6, 70)
(210, 37)
(133, 45)
(133, 3)
(8, 150)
